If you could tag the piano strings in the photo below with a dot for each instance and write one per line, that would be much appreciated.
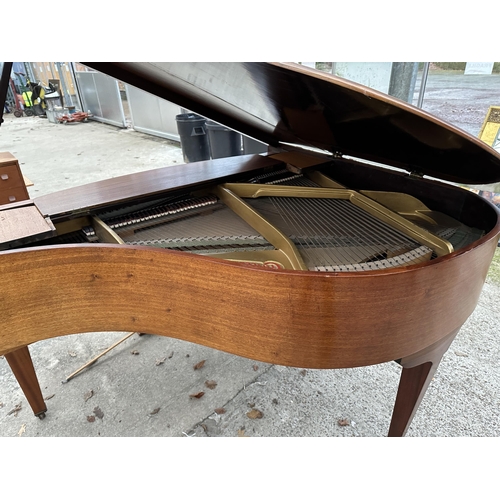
(326, 232)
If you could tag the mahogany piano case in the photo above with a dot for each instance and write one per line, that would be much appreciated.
(347, 244)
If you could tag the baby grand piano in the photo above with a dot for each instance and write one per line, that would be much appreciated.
(342, 246)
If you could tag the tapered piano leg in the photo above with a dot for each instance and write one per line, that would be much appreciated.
(418, 370)
(22, 366)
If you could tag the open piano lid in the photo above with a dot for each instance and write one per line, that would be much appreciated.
(288, 104)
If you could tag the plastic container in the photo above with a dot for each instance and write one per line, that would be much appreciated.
(192, 130)
(251, 146)
(224, 142)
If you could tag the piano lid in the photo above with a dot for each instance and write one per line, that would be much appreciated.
(288, 104)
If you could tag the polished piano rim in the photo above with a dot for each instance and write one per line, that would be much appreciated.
(324, 299)
(276, 330)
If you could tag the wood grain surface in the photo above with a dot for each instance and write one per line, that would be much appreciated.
(148, 183)
(22, 222)
(295, 318)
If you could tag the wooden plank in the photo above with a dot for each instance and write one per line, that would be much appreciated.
(23, 225)
(7, 158)
(27, 182)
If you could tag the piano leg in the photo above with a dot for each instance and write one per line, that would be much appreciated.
(418, 370)
(22, 366)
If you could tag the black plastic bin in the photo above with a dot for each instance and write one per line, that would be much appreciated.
(192, 130)
(251, 146)
(224, 142)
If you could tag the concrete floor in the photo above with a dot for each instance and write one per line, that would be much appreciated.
(143, 386)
